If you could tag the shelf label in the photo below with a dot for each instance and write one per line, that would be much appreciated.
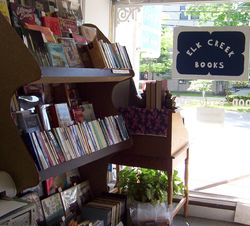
(120, 71)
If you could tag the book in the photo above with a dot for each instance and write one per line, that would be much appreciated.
(68, 26)
(56, 55)
(60, 115)
(46, 32)
(53, 23)
(22, 14)
(69, 200)
(92, 212)
(71, 52)
(84, 193)
(52, 209)
(44, 148)
(152, 94)
(77, 114)
(28, 122)
(29, 143)
(5, 10)
(57, 148)
(88, 111)
(101, 204)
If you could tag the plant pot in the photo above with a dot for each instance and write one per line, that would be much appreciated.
(144, 213)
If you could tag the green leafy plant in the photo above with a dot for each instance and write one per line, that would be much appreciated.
(147, 185)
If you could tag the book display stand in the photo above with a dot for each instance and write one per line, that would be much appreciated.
(108, 89)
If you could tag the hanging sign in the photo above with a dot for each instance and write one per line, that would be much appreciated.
(216, 53)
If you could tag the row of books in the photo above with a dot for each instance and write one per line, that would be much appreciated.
(114, 55)
(154, 91)
(60, 144)
(78, 204)
(56, 40)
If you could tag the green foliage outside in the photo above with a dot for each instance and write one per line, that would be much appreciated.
(162, 64)
(221, 14)
(147, 185)
(202, 86)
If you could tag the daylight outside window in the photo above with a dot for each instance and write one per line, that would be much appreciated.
(216, 113)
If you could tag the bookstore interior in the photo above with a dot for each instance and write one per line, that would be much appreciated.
(71, 121)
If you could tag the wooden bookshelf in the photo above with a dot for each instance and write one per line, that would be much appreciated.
(50, 75)
(86, 159)
(107, 89)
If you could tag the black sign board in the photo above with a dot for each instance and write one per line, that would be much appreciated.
(218, 53)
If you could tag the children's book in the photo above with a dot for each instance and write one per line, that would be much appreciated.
(56, 55)
(71, 52)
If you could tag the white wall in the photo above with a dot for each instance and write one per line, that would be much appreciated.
(98, 12)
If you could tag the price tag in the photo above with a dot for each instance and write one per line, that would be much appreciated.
(120, 71)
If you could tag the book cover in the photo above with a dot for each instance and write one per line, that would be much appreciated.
(46, 32)
(52, 209)
(69, 200)
(84, 193)
(68, 26)
(92, 212)
(63, 114)
(53, 23)
(22, 14)
(71, 52)
(56, 55)
(77, 114)
(88, 111)
(5, 10)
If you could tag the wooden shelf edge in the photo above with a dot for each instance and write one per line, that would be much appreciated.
(83, 160)
(75, 75)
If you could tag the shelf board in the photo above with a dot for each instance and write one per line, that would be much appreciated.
(79, 75)
(83, 160)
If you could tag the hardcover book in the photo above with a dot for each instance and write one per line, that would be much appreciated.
(22, 14)
(52, 23)
(68, 26)
(71, 52)
(56, 55)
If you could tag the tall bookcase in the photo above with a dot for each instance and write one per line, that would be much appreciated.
(107, 90)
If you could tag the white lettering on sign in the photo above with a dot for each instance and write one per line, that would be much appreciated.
(222, 46)
(203, 64)
(193, 49)
(213, 43)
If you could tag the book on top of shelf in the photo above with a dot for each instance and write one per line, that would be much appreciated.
(68, 26)
(53, 23)
(63, 114)
(5, 10)
(22, 14)
(46, 32)
(56, 55)
(77, 114)
(71, 52)
(88, 111)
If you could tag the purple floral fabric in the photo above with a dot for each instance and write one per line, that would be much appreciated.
(146, 121)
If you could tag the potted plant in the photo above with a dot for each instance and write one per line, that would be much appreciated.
(146, 190)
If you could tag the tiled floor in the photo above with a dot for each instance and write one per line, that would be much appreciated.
(194, 221)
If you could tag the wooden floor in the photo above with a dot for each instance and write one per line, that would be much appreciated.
(194, 221)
